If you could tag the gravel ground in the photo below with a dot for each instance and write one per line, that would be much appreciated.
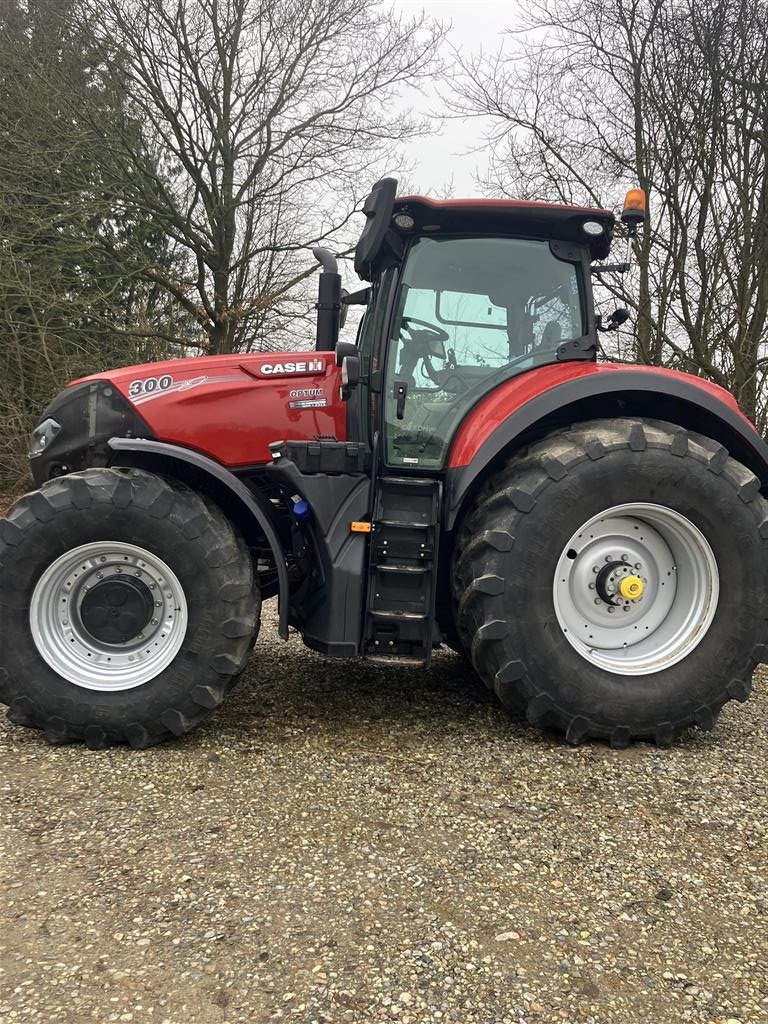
(342, 843)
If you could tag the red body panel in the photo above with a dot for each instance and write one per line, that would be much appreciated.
(232, 407)
(511, 396)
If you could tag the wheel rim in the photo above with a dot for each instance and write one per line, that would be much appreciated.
(636, 589)
(108, 616)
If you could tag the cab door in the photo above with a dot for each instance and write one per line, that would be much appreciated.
(469, 313)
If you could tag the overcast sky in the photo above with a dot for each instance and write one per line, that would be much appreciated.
(439, 158)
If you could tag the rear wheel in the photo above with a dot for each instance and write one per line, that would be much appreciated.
(610, 581)
(127, 608)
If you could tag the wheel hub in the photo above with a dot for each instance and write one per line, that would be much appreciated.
(636, 588)
(631, 588)
(108, 615)
(617, 580)
(117, 610)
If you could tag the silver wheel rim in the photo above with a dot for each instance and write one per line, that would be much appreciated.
(72, 651)
(643, 635)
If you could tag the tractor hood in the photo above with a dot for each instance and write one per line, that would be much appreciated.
(227, 407)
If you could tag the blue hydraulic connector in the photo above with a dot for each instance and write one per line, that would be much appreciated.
(301, 509)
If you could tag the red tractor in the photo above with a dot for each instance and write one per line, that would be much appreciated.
(592, 537)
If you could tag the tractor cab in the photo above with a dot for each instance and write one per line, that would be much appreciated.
(463, 296)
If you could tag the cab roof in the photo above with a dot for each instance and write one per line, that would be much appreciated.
(510, 216)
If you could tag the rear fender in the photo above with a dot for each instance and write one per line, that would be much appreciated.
(246, 508)
(525, 408)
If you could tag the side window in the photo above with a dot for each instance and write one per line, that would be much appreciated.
(557, 317)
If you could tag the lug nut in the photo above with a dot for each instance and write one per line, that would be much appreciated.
(611, 609)
(638, 565)
(99, 575)
(625, 557)
(609, 558)
(598, 601)
(595, 568)
(591, 587)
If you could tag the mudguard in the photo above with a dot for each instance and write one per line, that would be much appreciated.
(250, 504)
(529, 405)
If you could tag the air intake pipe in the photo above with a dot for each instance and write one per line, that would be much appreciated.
(328, 301)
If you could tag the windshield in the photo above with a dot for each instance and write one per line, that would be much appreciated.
(470, 311)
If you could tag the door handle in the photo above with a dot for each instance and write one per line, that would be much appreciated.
(400, 393)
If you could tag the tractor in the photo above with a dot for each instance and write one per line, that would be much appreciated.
(591, 536)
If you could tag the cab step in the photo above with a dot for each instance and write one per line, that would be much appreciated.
(402, 571)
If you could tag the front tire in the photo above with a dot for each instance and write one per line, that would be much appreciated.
(552, 614)
(127, 608)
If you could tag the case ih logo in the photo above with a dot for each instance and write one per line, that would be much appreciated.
(303, 366)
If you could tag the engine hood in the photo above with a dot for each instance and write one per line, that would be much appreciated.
(230, 408)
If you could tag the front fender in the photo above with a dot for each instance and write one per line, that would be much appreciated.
(251, 505)
(530, 405)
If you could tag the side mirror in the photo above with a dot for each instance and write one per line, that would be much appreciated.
(344, 349)
(615, 320)
(618, 317)
(350, 375)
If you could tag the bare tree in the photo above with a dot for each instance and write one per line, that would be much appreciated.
(270, 119)
(596, 95)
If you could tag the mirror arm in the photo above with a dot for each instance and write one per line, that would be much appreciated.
(359, 298)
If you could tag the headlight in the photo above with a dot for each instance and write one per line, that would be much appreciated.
(41, 437)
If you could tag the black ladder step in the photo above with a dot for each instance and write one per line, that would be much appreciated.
(407, 481)
(381, 567)
(399, 523)
(396, 616)
(394, 661)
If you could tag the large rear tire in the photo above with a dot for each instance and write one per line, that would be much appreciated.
(127, 608)
(610, 581)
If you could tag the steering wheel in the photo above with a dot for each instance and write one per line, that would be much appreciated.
(430, 329)
(424, 338)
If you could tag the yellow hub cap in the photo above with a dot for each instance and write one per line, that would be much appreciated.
(631, 587)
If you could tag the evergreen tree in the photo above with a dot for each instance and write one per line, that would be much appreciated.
(73, 293)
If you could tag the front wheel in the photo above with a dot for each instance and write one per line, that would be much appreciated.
(610, 582)
(127, 608)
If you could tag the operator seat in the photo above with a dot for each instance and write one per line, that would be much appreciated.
(552, 335)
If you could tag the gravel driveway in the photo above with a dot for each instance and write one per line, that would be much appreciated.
(342, 843)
